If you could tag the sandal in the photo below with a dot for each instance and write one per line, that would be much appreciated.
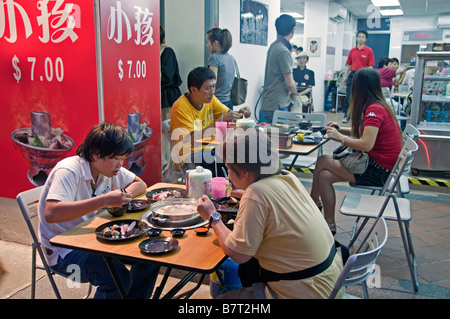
(332, 228)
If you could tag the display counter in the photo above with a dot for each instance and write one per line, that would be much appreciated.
(430, 111)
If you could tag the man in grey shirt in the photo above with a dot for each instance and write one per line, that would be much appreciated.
(279, 85)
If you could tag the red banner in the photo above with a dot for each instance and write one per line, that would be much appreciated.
(49, 66)
(131, 77)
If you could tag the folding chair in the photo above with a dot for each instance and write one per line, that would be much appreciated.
(292, 118)
(178, 167)
(389, 206)
(403, 186)
(360, 266)
(28, 203)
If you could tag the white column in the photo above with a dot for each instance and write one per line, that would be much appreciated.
(316, 26)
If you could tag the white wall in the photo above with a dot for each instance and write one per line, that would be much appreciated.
(250, 58)
(185, 33)
(316, 26)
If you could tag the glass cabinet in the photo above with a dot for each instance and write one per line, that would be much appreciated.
(430, 111)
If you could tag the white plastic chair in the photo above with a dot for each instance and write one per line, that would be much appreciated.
(361, 265)
(28, 203)
(403, 186)
(388, 206)
(172, 166)
(292, 118)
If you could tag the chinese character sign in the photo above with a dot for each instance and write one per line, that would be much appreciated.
(131, 76)
(48, 63)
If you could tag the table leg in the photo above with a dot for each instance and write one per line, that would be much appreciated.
(160, 288)
(293, 162)
(172, 292)
(113, 272)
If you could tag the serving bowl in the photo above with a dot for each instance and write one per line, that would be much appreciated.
(117, 211)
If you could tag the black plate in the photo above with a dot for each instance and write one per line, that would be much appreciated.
(140, 228)
(153, 192)
(138, 204)
(309, 140)
(158, 245)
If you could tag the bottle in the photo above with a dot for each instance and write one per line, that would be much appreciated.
(447, 91)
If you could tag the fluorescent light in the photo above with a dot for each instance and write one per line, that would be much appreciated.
(301, 21)
(295, 15)
(392, 12)
(385, 3)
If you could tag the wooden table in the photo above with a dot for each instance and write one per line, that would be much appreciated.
(296, 149)
(195, 254)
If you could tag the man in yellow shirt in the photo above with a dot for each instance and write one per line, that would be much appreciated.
(193, 117)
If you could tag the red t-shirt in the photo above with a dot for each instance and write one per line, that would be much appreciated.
(359, 59)
(388, 143)
(386, 76)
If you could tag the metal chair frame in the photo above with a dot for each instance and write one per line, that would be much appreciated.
(28, 202)
(360, 266)
(377, 206)
(166, 130)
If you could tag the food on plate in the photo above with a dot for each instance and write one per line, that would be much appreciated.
(177, 209)
(120, 230)
(167, 194)
(300, 137)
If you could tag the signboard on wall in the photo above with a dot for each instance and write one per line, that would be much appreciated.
(48, 64)
(131, 78)
(48, 59)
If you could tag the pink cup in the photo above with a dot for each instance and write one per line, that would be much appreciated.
(218, 187)
(221, 130)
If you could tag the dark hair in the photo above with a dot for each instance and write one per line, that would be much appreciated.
(198, 76)
(223, 36)
(366, 90)
(383, 61)
(162, 34)
(284, 24)
(395, 60)
(105, 140)
(363, 32)
(250, 150)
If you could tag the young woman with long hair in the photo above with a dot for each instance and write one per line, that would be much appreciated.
(218, 42)
(374, 130)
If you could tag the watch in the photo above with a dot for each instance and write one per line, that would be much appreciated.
(215, 217)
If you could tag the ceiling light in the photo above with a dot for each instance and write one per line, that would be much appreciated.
(385, 3)
(295, 15)
(392, 12)
(301, 21)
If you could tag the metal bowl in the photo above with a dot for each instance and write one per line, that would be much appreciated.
(167, 212)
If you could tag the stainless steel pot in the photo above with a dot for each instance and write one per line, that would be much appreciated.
(164, 218)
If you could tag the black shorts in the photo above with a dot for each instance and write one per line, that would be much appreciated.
(375, 175)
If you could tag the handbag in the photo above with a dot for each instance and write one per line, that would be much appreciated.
(355, 162)
(239, 88)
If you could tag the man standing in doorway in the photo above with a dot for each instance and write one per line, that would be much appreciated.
(361, 56)
(279, 84)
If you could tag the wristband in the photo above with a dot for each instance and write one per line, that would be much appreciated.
(343, 140)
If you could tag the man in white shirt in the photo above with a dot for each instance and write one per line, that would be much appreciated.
(77, 188)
